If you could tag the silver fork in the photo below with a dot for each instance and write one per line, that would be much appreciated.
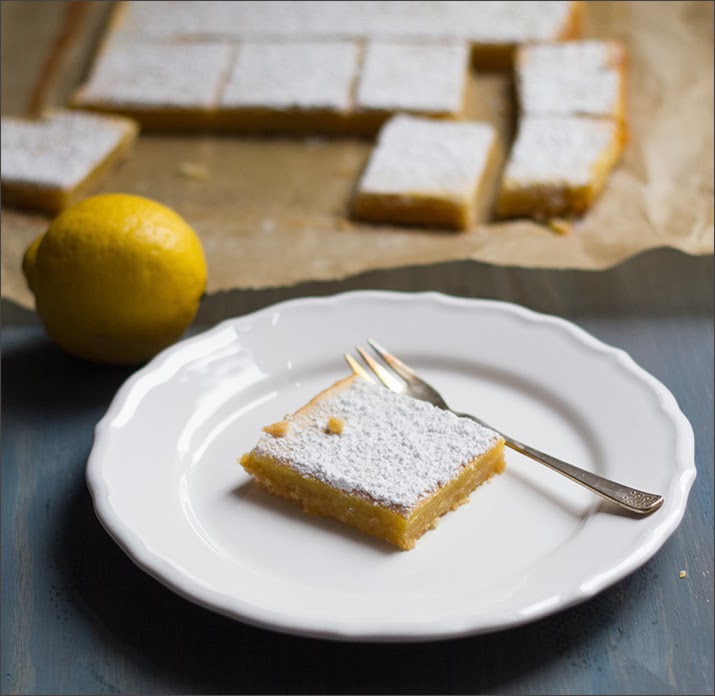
(409, 383)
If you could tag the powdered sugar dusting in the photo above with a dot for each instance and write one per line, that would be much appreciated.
(421, 155)
(293, 74)
(557, 150)
(570, 78)
(480, 21)
(60, 150)
(414, 77)
(513, 22)
(168, 19)
(144, 74)
(393, 449)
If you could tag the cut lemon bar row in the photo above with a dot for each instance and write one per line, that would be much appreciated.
(266, 86)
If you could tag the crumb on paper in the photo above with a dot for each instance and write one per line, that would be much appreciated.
(560, 225)
(683, 574)
(193, 170)
(335, 425)
(279, 429)
(315, 141)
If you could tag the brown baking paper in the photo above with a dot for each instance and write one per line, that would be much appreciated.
(273, 212)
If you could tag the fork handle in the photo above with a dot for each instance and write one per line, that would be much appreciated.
(631, 499)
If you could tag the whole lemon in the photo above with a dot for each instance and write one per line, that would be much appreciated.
(116, 278)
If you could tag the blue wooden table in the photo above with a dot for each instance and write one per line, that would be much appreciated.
(79, 617)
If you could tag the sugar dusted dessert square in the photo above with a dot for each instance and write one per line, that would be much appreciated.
(428, 172)
(164, 86)
(386, 464)
(429, 79)
(557, 166)
(572, 78)
(50, 162)
(296, 86)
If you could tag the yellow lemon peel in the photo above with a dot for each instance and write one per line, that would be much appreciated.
(116, 278)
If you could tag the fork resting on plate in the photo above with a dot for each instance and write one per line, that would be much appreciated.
(407, 382)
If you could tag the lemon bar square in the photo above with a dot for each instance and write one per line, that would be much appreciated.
(295, 86)
(428, 172)
(51, 162)
(386, 464)
(428, 79)
(557, 166)
(164, 86)
(573, 78)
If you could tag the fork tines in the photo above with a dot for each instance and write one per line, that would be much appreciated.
(387, 377)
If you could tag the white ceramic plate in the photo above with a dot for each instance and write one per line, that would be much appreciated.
(166, 485)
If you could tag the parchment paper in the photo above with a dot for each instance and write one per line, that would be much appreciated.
(273, 212)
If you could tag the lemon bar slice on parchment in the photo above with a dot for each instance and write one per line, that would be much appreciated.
(166, 87)
(53, 161)
(384, 463)
(425, 79)
(558, 166)
(290, 86)
(429, 172)
(573, 78)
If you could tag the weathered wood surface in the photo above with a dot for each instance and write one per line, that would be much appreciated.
(79, 617)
